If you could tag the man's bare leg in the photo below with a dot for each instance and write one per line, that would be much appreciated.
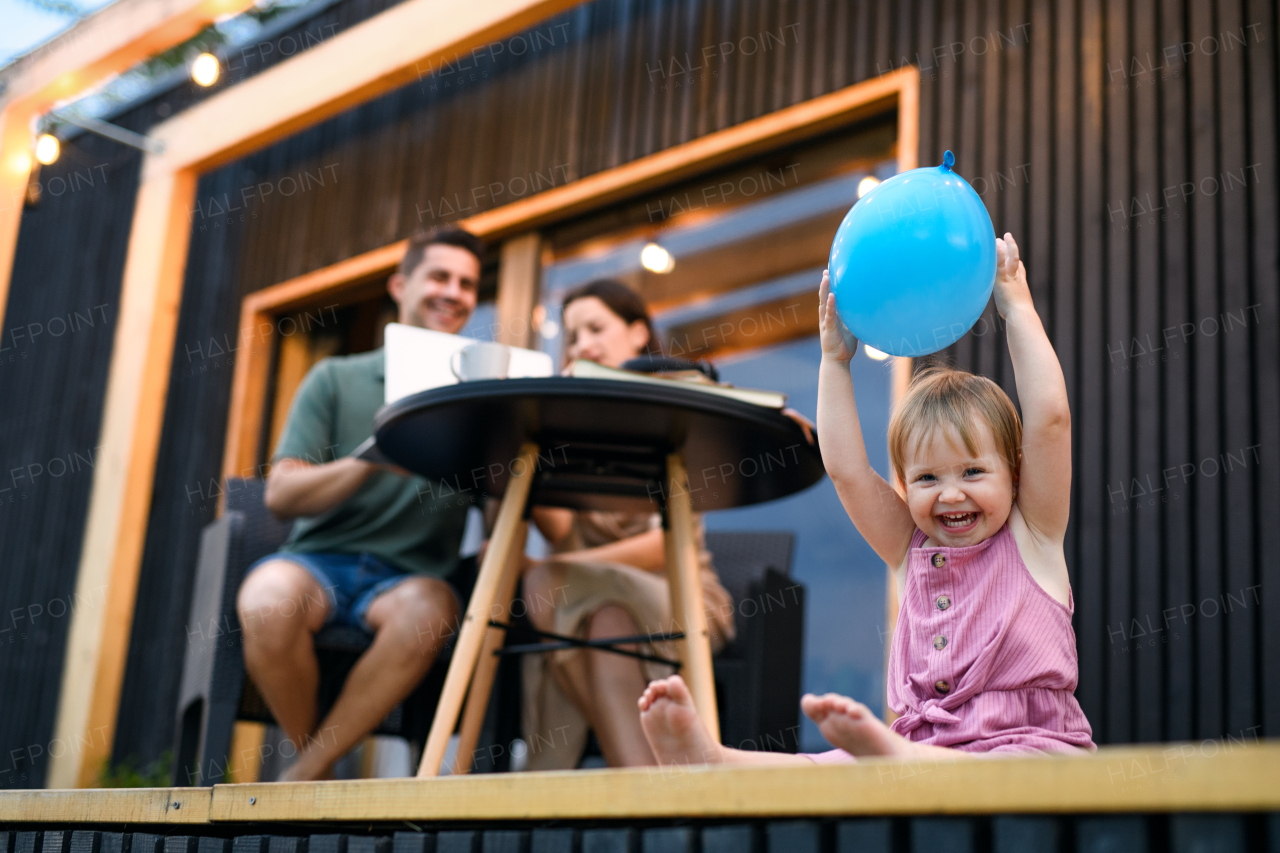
(678, 736)
(411, 622)
(281, 606)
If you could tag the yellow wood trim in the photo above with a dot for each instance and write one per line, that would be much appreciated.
(16, 161)
(1211, 776)
(387, 51)
(106, 43)
(120, 499)
(245, 761)
(519, 270)
(121, 805)
(1178, 778)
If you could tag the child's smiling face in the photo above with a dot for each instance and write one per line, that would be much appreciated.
(957, 497)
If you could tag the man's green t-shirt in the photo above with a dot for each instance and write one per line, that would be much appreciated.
(400, 519)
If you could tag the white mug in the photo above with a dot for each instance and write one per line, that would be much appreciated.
(481, 360)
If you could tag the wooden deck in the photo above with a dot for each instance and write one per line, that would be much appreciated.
(1178, 778)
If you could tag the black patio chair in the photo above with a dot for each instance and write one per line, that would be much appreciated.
(215, 692)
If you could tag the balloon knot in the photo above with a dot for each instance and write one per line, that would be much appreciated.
(948, 160)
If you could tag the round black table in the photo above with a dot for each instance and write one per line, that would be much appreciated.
(586, 444)
(602, 443)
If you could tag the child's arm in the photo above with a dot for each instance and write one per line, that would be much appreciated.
(880, 515)
(1044, 483)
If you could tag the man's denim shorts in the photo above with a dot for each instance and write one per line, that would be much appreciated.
(352, 581)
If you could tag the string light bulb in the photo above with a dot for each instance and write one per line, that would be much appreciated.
(205, 70)
(874, 353)
(866, 185)
(47, 149)
(654, 258)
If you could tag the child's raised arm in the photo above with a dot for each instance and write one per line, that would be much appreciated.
(880, 515)
(1044, 483)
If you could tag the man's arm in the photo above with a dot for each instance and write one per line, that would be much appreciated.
(298, 488)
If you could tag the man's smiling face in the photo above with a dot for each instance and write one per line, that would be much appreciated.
(441, 292)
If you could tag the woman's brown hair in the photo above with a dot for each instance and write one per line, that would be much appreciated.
(622, 301)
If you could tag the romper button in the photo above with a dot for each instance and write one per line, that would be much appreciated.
(939, 561)
(939, 642)
(943, 687)
(943, 602)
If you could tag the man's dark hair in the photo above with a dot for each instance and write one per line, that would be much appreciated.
(448, 235)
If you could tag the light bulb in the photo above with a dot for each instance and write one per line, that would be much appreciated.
(656, 259)
(874, 353)
(866, 185)
(205, 69)
(47, 148)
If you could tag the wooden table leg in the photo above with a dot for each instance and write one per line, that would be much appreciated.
(466, 652)
(686, 594)
(482, 682)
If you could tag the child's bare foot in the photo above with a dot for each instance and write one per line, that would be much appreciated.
(670, 722)
(852, 727)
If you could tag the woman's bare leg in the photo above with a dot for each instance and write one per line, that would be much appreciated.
(615, 682)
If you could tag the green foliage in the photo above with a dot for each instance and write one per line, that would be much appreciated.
(128, 773)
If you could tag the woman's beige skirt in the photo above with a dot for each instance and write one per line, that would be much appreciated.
(554, 729)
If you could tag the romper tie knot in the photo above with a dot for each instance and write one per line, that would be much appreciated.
(930, 713)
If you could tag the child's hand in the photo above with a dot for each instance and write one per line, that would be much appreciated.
(838, 343)
(1011, 277)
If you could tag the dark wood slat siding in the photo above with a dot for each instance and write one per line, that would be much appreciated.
(1175, 282)
(1240, 706)
(69, 260)
(1143, 393)
(1048, 102)
(1264, 275)
(1119, 387)
(1155, 263)
(55, 349)
(1205, 409)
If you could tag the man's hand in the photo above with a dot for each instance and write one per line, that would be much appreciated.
(1011, 288)
(838, 343)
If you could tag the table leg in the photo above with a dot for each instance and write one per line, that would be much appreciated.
(686, 594)
(486, 668)
(466, 652)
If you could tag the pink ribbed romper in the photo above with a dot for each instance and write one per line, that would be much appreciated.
(983, 659)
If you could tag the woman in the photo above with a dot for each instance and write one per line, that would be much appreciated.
(606, 577)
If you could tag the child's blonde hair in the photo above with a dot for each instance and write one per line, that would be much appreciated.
(941, 396)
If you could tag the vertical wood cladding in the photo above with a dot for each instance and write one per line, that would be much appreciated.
(55, 348)
(1130, 146)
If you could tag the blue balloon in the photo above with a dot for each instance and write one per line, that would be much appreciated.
(914, 261)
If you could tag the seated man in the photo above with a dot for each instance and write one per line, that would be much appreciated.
(370, 548)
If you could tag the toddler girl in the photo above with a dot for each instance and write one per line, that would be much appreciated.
(983, 656)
